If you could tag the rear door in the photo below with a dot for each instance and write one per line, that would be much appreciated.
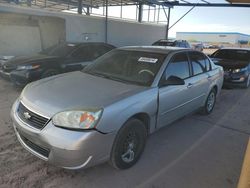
(199, 82)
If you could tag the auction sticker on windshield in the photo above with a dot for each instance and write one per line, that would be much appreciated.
(147, 60)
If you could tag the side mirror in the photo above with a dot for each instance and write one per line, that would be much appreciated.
(173, 80)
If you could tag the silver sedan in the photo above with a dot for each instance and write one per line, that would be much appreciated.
(106, 111)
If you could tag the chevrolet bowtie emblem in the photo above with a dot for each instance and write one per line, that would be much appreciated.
(27, 115)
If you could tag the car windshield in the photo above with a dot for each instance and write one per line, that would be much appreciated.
(61, 50)
(240, 55)
(164, 43)
(135, 67)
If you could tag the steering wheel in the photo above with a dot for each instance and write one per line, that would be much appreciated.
(146, 71)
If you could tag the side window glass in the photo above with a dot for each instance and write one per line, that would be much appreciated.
(103, 50)
(198, 62)
(81, 54)
(182, 44)
(178, 67)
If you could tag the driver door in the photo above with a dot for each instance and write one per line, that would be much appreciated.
(174, 100)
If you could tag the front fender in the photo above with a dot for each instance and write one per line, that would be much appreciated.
(115, 115)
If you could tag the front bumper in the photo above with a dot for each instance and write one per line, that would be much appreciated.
(23, 77)
(235, 79)
(62, 147)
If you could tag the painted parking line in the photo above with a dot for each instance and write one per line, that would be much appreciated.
(244, 181)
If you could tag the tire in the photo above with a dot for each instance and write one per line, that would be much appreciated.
(210, 103)
(49, 72)
(247, 83)
(129, 144)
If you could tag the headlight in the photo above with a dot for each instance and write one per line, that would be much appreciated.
(27, 67)
(77, 119)
(236, 70)
(239, 70)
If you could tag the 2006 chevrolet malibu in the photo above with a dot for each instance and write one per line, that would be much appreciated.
(106, 111)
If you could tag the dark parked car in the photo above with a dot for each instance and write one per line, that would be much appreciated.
(236, 64)
(173, 43)
(55, 60)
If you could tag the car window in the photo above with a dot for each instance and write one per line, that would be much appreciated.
(81, 53)
(178, 66)
(61, 50)
(135, 67)
(182, 44)
(90, 52)
(98, 50)
(198, 62)
(164, 43)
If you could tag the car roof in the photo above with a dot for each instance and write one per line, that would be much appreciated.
(155, 49)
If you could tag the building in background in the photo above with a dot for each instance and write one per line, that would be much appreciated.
(214, 37)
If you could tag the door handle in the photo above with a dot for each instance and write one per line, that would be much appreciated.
(189, 85)
(209, 76)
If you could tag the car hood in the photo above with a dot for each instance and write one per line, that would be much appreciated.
(75, 90)
(230, 64)
(23, 60)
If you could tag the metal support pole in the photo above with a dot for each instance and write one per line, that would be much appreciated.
(158, 16)
(121, 9)
(79, 7)
(154, 13)
(167, 29)
(106, 22)
(140, 12)
(87, 12)
(148, 12)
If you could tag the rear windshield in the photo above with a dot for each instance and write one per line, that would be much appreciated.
(240, 55)
(135, 67)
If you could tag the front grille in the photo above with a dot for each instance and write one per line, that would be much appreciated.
(31, 118)
(42, 151)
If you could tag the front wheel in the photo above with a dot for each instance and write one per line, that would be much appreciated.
(129, 144)
(210, 103)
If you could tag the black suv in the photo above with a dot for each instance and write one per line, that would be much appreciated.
(174, 43)
(58, 59)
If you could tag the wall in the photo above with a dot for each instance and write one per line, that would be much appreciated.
(127, 33)
(18, 35)
(26, 34)
(80, 28)
(120, 32)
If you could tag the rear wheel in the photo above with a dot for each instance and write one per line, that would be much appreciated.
(129, 144)
(210, 103)
(49, 72)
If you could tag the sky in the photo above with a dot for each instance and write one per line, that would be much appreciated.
(210, 19)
